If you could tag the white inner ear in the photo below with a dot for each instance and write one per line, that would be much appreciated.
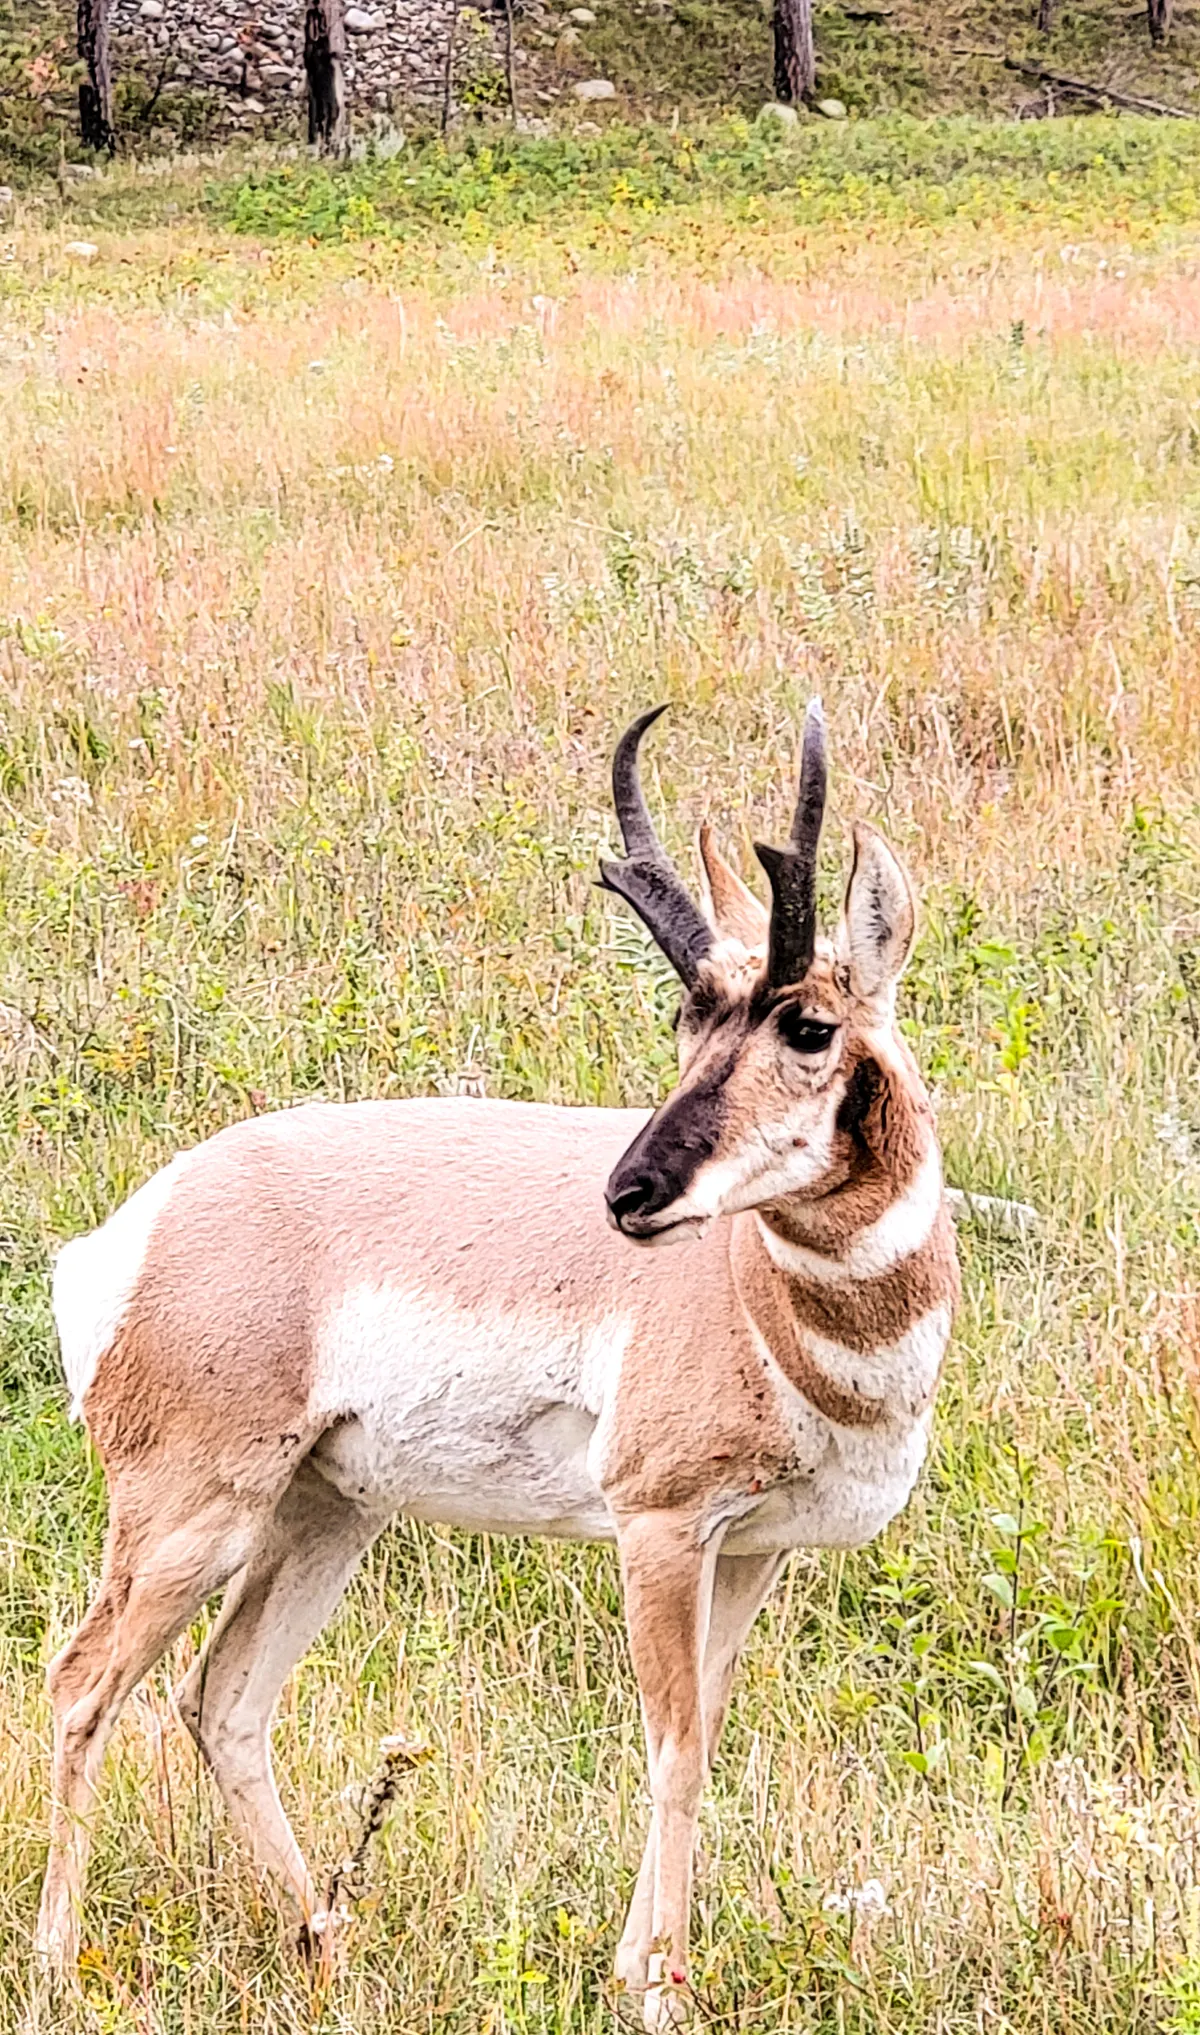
(878, 917)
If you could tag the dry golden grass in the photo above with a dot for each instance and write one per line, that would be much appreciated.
(323, 590)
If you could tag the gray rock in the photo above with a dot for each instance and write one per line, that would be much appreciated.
(782, 118)
(582, 17)
(831, 109)
(81, 250)
(6, 197)
(595, 88)
(396, 50)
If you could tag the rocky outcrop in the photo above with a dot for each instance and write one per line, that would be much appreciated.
(248, 61)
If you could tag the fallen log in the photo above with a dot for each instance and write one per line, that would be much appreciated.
(1007, 1218)
(1099, 95)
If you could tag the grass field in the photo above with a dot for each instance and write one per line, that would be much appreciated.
(335, 545)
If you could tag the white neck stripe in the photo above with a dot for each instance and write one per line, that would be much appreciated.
(895, 1235)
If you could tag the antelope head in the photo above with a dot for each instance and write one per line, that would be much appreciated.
(785, 1036)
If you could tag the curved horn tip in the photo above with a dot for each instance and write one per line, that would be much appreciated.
(814, 712)
(638, 727)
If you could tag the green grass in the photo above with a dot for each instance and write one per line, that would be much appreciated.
(886, 173)
(327, 573)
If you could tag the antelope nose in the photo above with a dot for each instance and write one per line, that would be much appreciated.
(630, 1199)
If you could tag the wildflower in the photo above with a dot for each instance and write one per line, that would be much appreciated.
(868, 1902)
(72, 791)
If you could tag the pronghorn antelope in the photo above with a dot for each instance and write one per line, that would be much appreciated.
(322, 1318)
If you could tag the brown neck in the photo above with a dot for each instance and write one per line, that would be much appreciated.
(883, 1135)
(848, 1283)
(769, 1298)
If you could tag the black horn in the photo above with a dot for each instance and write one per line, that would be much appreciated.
(647, 878)
(793, 870)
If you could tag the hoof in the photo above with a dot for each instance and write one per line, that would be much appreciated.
(631, 1966)
(667, 2005)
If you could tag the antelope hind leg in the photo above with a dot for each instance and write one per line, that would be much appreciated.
(273, 1613)
(157, 1573)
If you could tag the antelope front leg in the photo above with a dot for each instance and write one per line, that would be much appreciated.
(741, 1586)
(668, 1578)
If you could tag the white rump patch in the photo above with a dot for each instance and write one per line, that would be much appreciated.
(899, 1231)
(95, 1277)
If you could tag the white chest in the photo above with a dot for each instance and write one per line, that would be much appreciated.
(851, 1481)
(858, 1484)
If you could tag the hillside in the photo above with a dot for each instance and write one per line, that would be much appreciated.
(685, 57)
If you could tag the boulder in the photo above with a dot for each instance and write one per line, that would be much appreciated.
(359, 22)
(595, 88)
(784, 119)
(831, 109)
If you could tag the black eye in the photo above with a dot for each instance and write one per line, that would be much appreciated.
(804, 1034)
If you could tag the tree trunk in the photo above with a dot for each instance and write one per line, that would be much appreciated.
(795, 58)
(95, 91)
(448, 73)
(1045, 18)
(325, 66)
(510, 60)
(1158, 18)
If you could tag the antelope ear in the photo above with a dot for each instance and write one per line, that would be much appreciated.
(734, 910)
(879, 917)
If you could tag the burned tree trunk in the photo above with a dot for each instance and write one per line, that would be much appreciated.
(448, 72)
(795, 58)
(1045, 16)
(325, 67)
(1158, 19)
(95, 90)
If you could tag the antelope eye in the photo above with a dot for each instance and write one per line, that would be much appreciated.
(804, 1034)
